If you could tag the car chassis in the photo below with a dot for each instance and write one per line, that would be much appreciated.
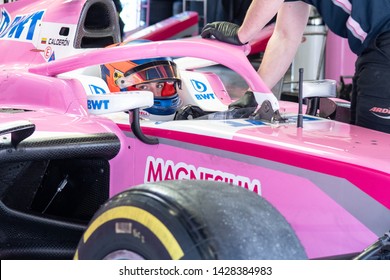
(71, 152)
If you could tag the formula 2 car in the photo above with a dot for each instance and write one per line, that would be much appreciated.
(83, 179)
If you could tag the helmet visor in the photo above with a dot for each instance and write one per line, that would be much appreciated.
(156, 71)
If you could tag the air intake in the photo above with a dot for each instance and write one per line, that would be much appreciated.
(98, 26)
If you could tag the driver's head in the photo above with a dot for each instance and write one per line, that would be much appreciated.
(158, 75)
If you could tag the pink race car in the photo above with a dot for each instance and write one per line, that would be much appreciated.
(86, 176)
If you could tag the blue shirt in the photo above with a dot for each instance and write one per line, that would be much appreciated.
(360, 21)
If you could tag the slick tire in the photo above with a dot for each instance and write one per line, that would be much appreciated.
(188, 220)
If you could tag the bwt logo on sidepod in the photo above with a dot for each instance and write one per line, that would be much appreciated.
(21, 28)
(201, 88)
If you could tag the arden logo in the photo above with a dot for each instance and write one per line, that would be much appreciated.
(383, 113)
(159, 170)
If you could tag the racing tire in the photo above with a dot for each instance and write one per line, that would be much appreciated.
(188, 220)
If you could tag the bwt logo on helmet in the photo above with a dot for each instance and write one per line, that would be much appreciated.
(21, 28)
(201, 87)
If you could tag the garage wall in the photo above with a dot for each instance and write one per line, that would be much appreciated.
(216, 9)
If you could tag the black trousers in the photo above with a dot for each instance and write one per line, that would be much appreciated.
(370, 104)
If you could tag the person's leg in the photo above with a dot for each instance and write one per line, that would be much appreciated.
(372, 86)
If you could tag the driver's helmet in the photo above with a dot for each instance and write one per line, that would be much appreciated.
(138, 74)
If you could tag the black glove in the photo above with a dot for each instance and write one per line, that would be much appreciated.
(243, 107)
(222, 31)
(190, 112)
(248, 100)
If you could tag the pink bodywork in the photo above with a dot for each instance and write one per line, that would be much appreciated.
(330, 180)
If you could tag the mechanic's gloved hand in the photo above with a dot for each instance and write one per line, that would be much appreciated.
(222, 31)
(190, 112)
(248, 100)
(243, 107)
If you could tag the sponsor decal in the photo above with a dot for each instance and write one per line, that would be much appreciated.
(98, 104)
(96, 90)
(201, 88)
(245, 123)
(52, 57)
(59, 42)
(205, 96)
(22, 27)
(198, 86)
(5, 22)
(383, 113)
(48, 52)
(158, 169)
(144, 114)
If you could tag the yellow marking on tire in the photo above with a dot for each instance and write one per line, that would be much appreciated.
(143, 217)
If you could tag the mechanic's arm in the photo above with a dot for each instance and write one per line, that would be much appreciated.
(281, 48)
(259, 14)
